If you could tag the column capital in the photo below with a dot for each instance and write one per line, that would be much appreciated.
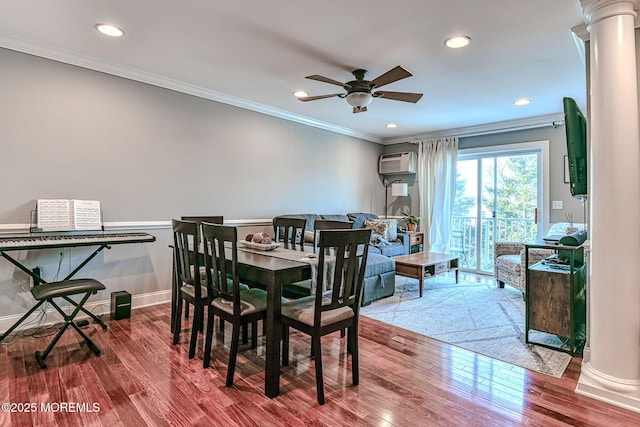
(597, 10)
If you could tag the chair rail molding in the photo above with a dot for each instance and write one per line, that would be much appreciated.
(22, 228)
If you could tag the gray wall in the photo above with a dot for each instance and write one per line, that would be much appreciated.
(151, 154)
(557, 150)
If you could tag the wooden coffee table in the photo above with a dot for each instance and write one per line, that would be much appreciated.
(419, 264)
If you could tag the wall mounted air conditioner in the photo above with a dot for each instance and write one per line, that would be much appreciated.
(397, 163)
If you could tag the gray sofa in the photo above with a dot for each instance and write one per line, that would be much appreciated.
(380, 274)
(379, 278)
(398, 244)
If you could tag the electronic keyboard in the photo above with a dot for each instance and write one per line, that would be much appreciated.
(17, 243)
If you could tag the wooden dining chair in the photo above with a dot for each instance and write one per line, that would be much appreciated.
(216, 219)
(213, 219)
(303, 288)
(290, 231)
(336, 309)
(191, 289)
(328, 224)
(228, 302)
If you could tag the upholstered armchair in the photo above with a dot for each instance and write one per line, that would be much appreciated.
(509, 263)
(509, 256)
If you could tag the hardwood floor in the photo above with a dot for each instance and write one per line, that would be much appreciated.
(405, 380)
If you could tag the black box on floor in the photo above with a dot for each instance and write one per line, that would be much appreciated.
(120, 305)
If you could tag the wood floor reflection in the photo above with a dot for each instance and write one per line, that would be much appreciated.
(405, 380)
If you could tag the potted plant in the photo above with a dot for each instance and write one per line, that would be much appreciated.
(412, 220)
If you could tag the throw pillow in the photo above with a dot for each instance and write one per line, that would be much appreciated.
(387, 228)
(377, 227)
(358, 219)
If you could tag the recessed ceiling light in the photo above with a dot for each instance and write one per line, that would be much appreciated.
(457, 42)
(300, 94)
(110, 30)
(522, 101)
(392, 125)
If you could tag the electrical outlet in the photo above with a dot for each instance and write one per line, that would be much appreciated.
(556, 204)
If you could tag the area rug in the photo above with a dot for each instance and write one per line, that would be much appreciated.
(475, 315)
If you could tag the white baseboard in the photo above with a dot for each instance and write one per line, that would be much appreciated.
(96, 307)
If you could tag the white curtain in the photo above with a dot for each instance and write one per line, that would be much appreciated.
(437, 189)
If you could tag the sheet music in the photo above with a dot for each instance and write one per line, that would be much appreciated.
(68, 215)
(53, 214)
(86, 215)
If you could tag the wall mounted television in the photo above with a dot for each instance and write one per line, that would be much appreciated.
(576, 131)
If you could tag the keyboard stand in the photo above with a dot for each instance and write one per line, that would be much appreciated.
(37, 280)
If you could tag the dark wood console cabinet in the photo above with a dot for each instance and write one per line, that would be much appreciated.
(556, 297)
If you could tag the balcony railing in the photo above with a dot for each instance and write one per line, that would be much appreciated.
(465, 243)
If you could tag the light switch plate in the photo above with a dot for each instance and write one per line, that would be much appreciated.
(556, 204)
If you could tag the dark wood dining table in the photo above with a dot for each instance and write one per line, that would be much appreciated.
(271, 273)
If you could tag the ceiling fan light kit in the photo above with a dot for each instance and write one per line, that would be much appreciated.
(359, 91)
(359, 99)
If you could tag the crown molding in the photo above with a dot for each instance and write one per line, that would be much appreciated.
(581, 32)
(486, 129)
(91, 63)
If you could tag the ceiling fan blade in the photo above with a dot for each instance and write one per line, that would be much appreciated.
(313, 98)
(359, 109)
(398, 96)
(393, 75)
(328, 80)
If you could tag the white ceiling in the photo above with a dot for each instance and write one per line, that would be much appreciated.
(254, 54)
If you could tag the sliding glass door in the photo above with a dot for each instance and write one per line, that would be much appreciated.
(498, 198)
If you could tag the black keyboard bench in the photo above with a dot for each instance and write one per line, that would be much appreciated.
(64, 289)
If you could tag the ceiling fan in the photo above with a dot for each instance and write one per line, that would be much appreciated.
(359, 93)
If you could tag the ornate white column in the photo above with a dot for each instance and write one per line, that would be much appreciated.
(612, 373)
